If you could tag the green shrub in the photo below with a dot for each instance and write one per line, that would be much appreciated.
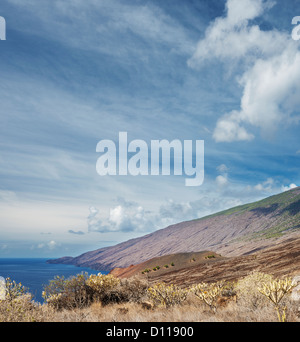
(147, 270)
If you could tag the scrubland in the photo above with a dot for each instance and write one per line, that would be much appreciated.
(257, 297)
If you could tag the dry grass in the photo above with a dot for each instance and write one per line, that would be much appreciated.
(190, 311)
(133, 312)
(239, 304)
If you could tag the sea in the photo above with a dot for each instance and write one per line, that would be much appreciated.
(34, 274)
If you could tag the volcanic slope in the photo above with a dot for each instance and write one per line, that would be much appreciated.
(238, 231)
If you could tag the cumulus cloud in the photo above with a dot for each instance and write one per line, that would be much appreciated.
(222, 180)
(289, 187)
(231, 37)
(270, 62)
(124, 217)
(132, 217)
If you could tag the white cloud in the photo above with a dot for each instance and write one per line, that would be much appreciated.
(289, 187)
(222, 180)
(270, 89)
(125, 217)
(228, 129)
(271, 63)
(232, 38)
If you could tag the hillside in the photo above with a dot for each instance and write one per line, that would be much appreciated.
(237, 231)
(282, 259)
(162, 266)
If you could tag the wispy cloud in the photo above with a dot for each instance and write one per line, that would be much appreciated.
(96, 25)
(76, 72)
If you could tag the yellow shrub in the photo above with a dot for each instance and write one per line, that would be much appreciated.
(275, 291)
(208, 293)
(101, 283)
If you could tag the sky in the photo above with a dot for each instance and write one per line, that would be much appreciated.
(73, 73)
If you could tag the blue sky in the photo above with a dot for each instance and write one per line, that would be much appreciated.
(76, 72)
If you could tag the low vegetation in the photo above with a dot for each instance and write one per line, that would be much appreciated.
(257, 297)
(156, 268)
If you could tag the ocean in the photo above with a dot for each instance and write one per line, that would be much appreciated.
(35, 273)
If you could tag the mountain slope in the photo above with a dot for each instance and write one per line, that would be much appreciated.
(233, 232)
(161, 266)
(282, 259)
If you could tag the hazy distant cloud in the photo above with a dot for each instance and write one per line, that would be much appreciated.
(271, 63)
(265, 186)
(222, 168)
(7, 196)
(174, 210)
(79, 232)
(222, 179)
(51, 245)
(271, 186)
